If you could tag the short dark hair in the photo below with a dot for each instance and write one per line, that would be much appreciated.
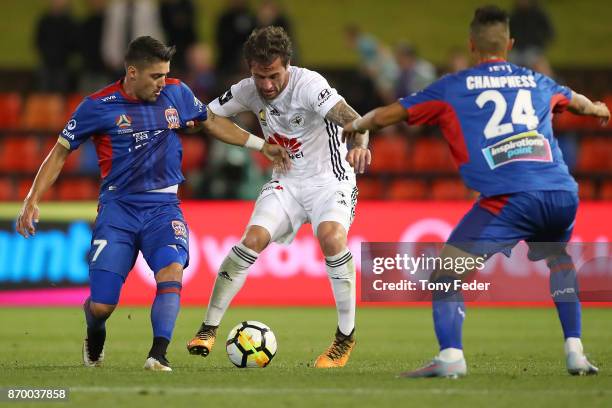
(485, 18)
(266, 44)
(146, 50)
(487, 15)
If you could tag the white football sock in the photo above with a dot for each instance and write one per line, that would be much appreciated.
(450, 355)
(230, 279)
(341, 271)
(573, 344)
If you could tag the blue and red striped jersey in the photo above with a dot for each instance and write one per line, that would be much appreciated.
(136, 141)
(497, 119)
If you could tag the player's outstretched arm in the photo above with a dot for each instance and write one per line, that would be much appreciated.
(225, 130)
(377, 119)
(46, 176)
(581, 105)
(358, 155)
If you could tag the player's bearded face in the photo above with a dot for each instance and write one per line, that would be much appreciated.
(270, 80)
(150, 80)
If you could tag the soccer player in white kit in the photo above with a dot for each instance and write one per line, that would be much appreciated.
(297, 109)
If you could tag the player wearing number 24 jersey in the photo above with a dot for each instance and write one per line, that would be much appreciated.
(497, 120)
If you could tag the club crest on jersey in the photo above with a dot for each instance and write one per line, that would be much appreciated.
(528, 146)
(123, 121)
(291, 145)
(262, 118)
(172, 117)
(297, 121)
(180, 231)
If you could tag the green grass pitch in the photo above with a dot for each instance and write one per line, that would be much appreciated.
(515, 358)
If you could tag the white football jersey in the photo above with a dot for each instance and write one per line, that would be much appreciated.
(296, 120)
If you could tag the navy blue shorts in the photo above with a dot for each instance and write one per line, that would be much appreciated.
(544, 219)
(145, 222)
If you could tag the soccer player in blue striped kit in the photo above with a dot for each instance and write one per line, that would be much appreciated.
(133, 123)
(496, 117)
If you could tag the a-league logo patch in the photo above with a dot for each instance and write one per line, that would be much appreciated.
(123, 121)
(179, 229)
(172, 117)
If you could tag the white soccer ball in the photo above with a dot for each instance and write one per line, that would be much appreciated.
(251, 344)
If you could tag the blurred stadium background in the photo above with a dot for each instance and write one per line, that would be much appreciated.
(53, 52)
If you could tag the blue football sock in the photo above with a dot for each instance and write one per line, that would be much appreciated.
(165, 308)
(448, 315)
(564, 291)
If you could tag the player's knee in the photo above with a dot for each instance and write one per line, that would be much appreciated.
(172, 272)
(256, 238)
(168, 262)
(101, 310)
(332, 238)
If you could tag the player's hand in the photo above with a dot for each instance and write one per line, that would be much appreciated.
(26, 219)
(277, 155)
(359, 158)
(603, 113)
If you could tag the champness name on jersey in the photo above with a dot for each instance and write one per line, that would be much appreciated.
(136, 142)
(497, 119)
(295, 119)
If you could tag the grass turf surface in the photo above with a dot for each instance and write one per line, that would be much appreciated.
(515, 357)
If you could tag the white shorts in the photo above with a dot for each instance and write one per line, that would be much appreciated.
(284, 205)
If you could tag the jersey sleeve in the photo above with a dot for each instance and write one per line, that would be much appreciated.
(191, 107)
(231, 102)
(560, 96)
(425, 107)
(319, 96)
(83, 123)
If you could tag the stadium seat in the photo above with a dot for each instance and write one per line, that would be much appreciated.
(20, 153)
(586, 189)
(595, 154)
(77, 189)
(606, 191)
(7, 190)
(194, 152)
(449, 190)
(72, 102)
(390, 154)
(568, 121)
(370, 189)
(10, 110)
(73, 160)
(432, 154)
(44, 112)
(407, 190)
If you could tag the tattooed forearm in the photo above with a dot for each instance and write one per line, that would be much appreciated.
(341, 113)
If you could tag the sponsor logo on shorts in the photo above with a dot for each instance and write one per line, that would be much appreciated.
(71, 124)
(172, 117)
(528, 146)
(179, 229)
